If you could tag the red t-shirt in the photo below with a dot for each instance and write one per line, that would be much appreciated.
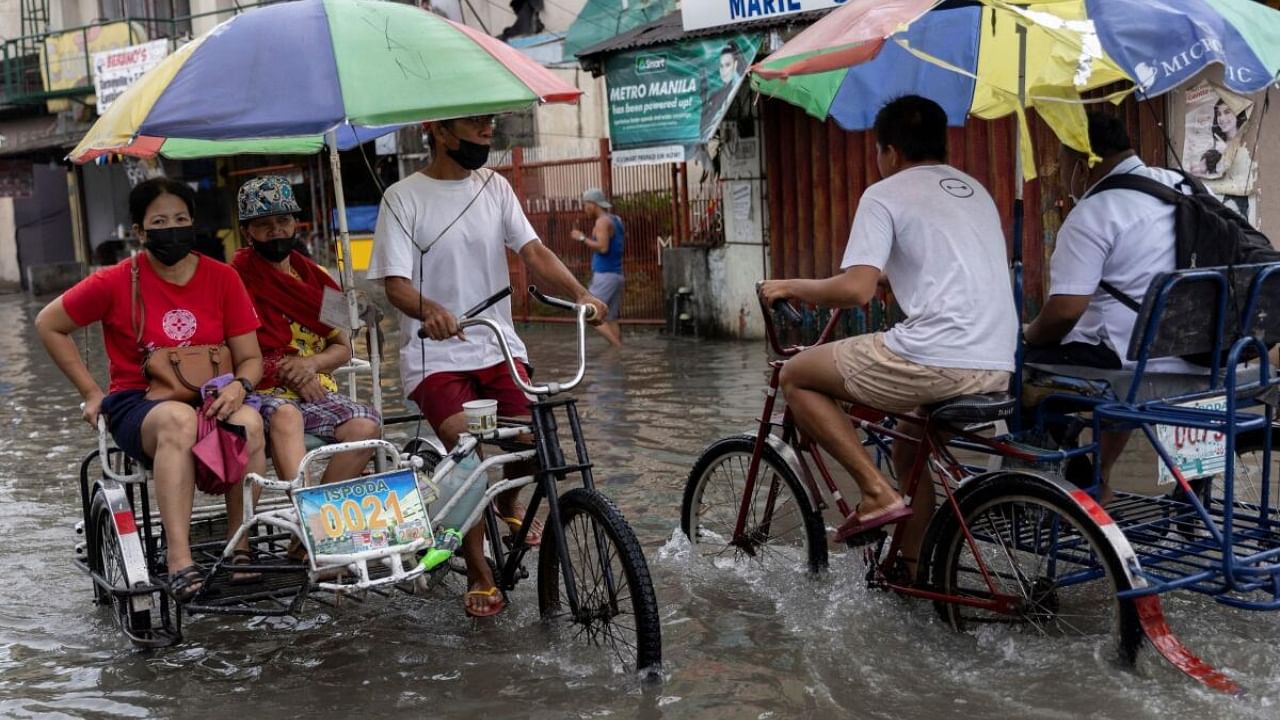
(210, 308)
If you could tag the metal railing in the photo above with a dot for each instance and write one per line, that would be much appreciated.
(28, 77)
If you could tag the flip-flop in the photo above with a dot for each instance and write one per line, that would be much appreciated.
(533, 539)
(855, 525)
(490, 610)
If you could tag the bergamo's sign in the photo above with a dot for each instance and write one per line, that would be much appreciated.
(699, 14)
(115, 70)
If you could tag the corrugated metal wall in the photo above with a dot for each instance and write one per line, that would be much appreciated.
(816, 172)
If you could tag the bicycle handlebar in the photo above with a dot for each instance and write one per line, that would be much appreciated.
(793, 315)
(485, 304)
(584, 313)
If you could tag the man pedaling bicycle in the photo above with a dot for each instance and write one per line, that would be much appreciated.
(440, 247)
(934, 234)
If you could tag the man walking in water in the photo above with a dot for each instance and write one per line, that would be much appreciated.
(606, 243)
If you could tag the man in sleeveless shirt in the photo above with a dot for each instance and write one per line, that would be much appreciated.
(606, 244)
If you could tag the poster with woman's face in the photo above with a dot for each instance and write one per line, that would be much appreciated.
(1216, 120)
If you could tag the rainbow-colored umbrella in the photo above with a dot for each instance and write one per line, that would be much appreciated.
(277, 79)
(967, 56)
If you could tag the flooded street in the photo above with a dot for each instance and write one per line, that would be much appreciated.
(738, 642)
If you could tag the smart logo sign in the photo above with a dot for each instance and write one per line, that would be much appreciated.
(675, 97)
(713, 13)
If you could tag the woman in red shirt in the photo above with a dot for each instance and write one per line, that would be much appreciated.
(187, 299)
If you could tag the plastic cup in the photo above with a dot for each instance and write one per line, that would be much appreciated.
(482, 416)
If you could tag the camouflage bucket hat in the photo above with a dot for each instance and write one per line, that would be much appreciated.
(265, 196)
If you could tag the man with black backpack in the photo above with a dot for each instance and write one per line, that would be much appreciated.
(1132, 223)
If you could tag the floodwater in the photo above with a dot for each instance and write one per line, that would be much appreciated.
(739, 642)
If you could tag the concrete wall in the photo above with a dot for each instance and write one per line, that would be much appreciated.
(561, 125)
(10, 20)
(10, 274)
(203, 25)
(736, 266)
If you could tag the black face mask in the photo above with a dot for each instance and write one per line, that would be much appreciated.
(276, 250)
(170, 245)
(469, 155)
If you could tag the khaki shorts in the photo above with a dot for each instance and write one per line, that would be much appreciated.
(878, 378)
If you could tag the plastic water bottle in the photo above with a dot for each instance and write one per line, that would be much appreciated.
(447, 542)
(451, 485)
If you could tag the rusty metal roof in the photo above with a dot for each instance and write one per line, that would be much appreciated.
(670, 28)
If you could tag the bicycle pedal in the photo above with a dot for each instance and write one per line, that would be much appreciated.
(866, 538)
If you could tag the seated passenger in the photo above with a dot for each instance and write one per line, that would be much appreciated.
(299, 350)
(935, 234)
(1122, 237)
(183, 298)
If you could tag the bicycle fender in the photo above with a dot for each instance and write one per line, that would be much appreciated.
(135, 561)
(1150, 609)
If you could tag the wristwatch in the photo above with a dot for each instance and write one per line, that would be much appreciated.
(248, 386)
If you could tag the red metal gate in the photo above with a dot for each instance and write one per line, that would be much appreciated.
(650, 199)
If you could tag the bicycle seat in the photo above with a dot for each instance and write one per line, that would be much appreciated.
(984, 407)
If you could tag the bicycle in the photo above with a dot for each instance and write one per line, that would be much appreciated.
(590, 564)
(1018, 544)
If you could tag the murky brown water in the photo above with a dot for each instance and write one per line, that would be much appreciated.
(739, 643)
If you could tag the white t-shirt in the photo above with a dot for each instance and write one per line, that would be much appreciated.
(1124, 237)
(460, 268)
(935, 232)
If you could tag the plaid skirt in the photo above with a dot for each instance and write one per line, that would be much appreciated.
(320, 418)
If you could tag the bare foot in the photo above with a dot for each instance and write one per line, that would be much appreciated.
(1105, 494)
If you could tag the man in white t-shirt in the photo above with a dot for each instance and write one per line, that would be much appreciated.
(440, 247)
(1123, 237)
(935, 234)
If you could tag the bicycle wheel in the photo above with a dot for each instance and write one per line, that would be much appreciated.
(1041, 549)
(781, 525)
(616, 605)
(106, 558)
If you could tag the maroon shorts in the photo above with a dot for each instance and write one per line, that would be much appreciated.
(441, 395)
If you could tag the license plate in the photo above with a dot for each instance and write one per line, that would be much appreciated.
(1197, 453)
(366, 513)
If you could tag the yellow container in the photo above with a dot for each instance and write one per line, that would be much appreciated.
(361, 250)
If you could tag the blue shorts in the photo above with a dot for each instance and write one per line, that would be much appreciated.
(125, 411)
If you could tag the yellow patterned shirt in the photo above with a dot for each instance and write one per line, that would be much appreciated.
(307, 344)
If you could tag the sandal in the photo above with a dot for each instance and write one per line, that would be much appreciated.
(489, 610)
(859, 529)
(241, 556)
(533, 539)
(186, 584)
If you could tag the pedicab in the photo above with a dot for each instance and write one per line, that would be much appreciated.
(375, 534)
(1019, 538)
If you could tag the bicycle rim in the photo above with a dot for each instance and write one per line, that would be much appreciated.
(780, 529)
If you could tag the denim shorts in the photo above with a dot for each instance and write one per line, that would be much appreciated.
(125, 411)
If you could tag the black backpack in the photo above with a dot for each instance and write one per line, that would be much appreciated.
(1207, 233)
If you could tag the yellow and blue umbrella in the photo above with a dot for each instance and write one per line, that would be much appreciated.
(277, 79)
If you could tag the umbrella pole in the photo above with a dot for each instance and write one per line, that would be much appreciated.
(348, 276)
(1018, 182)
